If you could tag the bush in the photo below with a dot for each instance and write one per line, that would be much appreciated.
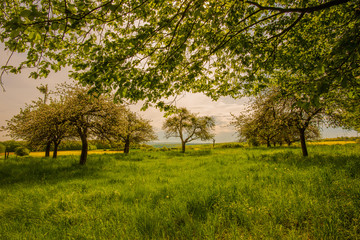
(253, 142)
(148, 148)
(2, 148)
(145, 146)
(357, 141)
(231, 145)
(92, 147)
(70, 145)
(164, 149)
(22, 151)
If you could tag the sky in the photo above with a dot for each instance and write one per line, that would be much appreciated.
(21, 90)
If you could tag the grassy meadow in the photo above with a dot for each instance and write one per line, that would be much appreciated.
(220, 193)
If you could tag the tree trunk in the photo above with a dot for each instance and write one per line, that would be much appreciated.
(303, 142)
(127, 145)
(268, 142)
(182, 147)
(84, 149)
(47, 150)
(55, 149)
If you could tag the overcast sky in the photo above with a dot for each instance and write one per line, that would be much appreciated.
(19, 90)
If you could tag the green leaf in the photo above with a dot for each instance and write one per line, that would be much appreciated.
(25, 13)
(344, 81)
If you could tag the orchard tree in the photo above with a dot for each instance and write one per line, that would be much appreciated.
(53, 123)
(133, 129)
(302, 117)
(2, 149)
(29, 124)
(137, 130)
(44, 89)
(77, 113)
(87, 113)
(40, 125)
(147, 50)
(188, 127)
(123, 125)
(303, 104)
(275, 116)
(16, 127)
(10, 146)
(345, 112)
(290, 134)
(254, 127)
(263, 120)
(22, 126)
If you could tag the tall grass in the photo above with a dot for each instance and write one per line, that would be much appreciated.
(222, 193)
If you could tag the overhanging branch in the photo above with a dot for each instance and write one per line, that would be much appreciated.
(300, 10)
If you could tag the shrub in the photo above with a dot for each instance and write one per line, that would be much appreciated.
(146, 147)
(253, 141)
(357, 141)
(70, 145)
(2, 148)
(231, 145)
(164, 149)
(92, 147)
(22, 151)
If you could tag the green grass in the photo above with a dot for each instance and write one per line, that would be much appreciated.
(221, 193)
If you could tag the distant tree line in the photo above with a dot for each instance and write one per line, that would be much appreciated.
(80, 119)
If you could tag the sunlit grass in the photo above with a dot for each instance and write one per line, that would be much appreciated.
(232, 193)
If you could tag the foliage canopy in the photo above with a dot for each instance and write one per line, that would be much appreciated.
(78, 114)
(276, 117)
(151, 49)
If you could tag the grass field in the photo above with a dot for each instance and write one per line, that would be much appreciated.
(221, 193)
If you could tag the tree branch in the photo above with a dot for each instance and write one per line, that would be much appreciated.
(225, 41)
(288, 28)
(300, 10)
(4, 69)
(177, 24)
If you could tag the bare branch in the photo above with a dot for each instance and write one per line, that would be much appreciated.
(4, 69)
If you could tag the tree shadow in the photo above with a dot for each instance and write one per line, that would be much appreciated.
(31, 170)
(349, 162)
